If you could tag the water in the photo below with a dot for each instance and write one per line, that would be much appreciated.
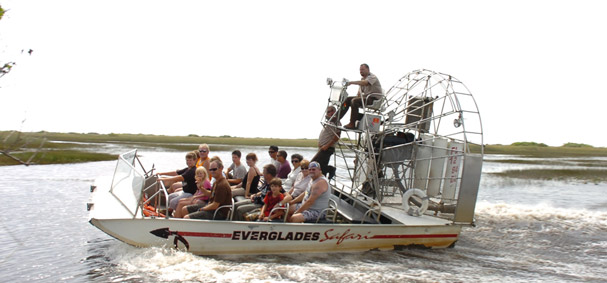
(526, 231)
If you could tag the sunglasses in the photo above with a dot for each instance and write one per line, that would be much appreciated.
(304, 168)
(203, 151)
(212, 169)
(294, 161)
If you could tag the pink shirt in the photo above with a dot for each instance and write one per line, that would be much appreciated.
(198, 195)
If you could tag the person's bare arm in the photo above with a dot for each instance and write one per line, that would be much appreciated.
(173, 179)
(250, 178)
(316, 192)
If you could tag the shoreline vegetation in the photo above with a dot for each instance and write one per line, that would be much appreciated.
(58, 148)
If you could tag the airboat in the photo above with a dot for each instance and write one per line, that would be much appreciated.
(407, 176)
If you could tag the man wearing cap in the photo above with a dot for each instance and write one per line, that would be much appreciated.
(326, 142)
(316, 199)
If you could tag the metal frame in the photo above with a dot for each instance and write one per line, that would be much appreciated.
(446, 126)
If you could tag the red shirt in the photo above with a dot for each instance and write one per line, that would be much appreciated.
(271, 201)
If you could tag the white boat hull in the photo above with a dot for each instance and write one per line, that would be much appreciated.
(205, 237)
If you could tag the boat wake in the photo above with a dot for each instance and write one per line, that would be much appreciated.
(539, 239)
(513, 242)
(563, 218)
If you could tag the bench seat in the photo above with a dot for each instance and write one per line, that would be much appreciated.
(350, 212)
(239, 198)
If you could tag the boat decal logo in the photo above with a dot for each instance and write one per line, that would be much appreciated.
(275, 236)
(346, 235)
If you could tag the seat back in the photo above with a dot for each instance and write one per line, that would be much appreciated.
(230, 208)
(377, 105)
(285, 208)
(419, 110)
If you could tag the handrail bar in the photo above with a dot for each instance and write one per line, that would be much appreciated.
(285, 208)
(230, 211)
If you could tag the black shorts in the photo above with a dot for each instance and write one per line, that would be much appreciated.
(195, 207)
(203, 215)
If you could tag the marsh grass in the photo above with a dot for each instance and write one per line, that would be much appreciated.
(546, 152)
(526, 161)
(554, 162)
(175, 142)
(59, 157)
(584, 175)
(76, 147)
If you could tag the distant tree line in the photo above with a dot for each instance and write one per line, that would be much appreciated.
(569, 144)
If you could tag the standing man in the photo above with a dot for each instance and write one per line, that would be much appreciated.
(221, 195)
(316, 199)
(326, 142)
(370, 90)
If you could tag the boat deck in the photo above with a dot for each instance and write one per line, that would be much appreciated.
(396, 214)
(399, 216)
(102, 204)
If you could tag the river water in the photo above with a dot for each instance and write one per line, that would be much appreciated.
(526, 231)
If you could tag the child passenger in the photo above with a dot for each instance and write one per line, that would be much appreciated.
(271, 200)
(201, 196)
(184, 176)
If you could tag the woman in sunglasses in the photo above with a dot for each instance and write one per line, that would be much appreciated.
(203, 157)
(302, 183)
(290, 180)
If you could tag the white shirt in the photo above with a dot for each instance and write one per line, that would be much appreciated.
(290, 180)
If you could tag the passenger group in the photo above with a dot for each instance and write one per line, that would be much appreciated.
(204, 190)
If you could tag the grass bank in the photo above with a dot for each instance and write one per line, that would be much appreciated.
(168, 141)
(546, 151)
(583, 175)
(55, 152)
(81, 147)
(57, 157)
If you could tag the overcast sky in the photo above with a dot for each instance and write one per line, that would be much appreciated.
(258, 68)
